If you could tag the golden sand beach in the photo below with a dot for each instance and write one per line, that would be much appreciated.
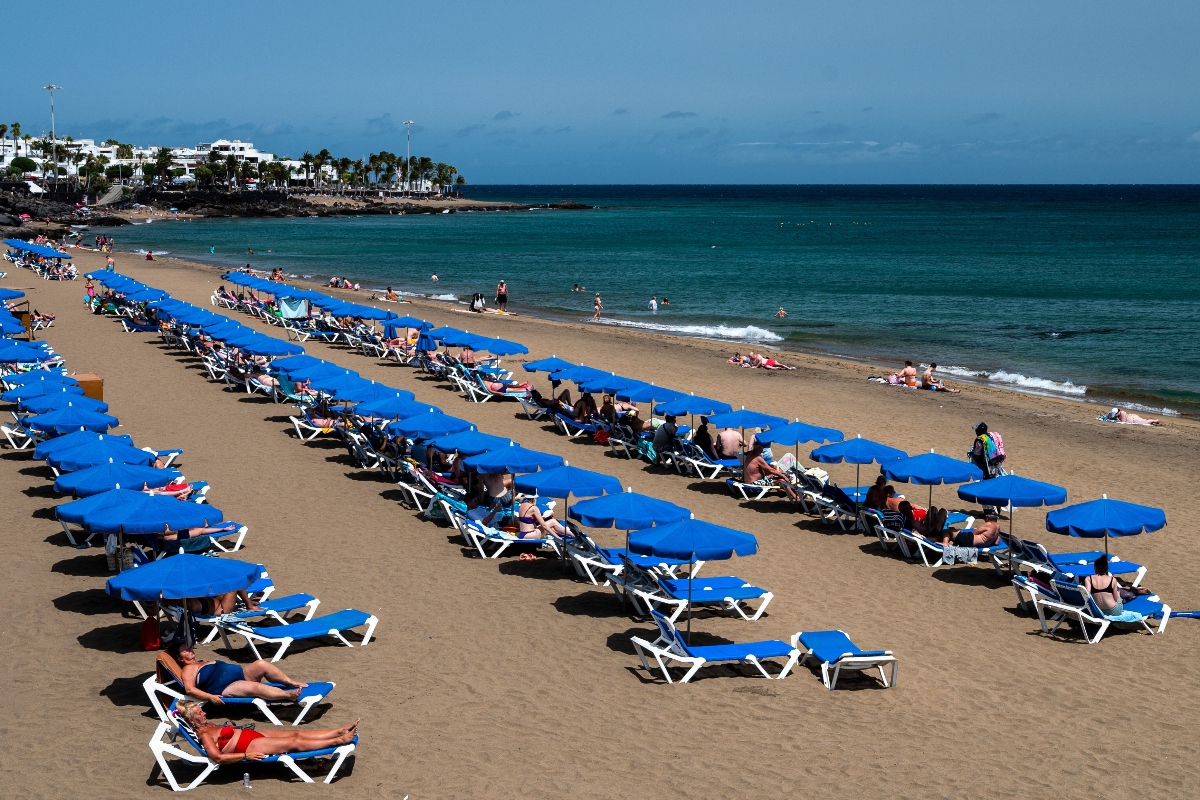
(510, 679)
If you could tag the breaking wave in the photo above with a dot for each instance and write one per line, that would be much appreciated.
(748, 333)
(1018, 380)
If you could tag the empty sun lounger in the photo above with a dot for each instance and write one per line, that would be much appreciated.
(166, 681)
(652, 592)
(278, 609)
(283, 635)
(594, 563)
(670, 647)
(833, 649)
(164, 742)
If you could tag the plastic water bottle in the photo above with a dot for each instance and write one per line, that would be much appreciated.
(245, 780)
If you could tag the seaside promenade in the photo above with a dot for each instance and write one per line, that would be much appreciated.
(511, 680)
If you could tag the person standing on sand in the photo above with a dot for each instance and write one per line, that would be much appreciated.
(502, 296)
(110, 265)
(597, 305)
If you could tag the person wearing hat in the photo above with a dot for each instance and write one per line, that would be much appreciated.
(984, 453)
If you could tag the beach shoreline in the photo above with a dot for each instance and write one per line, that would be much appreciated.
(880, 365)
(476, 655)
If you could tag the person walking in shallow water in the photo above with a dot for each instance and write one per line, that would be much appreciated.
(597, 305)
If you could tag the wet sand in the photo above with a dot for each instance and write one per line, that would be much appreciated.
(508, 679)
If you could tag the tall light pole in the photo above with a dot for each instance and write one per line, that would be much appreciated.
(408, 123)
(53, 145)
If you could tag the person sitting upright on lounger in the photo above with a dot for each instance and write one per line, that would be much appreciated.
(532, 525)
(760, 473)
(703, 440)
(985, 534)
(229, 744)
(214, 680)
(730, 443)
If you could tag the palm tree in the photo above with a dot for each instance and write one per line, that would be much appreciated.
(443, 173)
(15, 128)
(322, 159)
(460, 182)
(308, 159)
(344, 165)
(231, 170)
(359, 178)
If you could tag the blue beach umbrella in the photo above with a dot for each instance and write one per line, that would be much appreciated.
(443, 332)
(397, 407)
(319, 372)
(34, 389)
(857, 451)
(10, 326)
(469, 443)
(393, 325)
(564, 481)
(70, 418)
(112, 475)
(746, 419)
(1105, 517)
(46, 403)
(627, 510)
(931, 469)
(341, 386)
(692, 540)
(648, 393)
(610, 383)
(13, 352)
(77, 439)
(182, 576)
(141, 512)
(100, 450)
(293, 363)
(38, 376)
(10, 294)
(263, 345)
(797, 433)
(1013, 490)
(513, 458)
(693, 404)
(552, 364)
(500, 347)
(376, 392)
(425, 344)
(577, 374)
(428, 426)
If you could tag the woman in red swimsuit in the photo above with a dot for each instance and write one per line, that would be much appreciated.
(228, 744)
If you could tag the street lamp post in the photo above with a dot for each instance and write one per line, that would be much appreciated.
(408, 123)
(53, 144)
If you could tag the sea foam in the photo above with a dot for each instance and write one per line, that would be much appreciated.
(1018, 380)
(749, 333)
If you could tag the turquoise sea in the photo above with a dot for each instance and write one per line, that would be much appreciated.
(1090, 292)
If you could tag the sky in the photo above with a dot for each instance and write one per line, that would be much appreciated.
(663, 92)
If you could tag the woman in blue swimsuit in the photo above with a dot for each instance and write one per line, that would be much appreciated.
(213, 680)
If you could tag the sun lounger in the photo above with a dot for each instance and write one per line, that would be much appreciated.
(283, 635)
(492, 542)
(752, 491)
(594, 563)
(307, 431)
(137, 327)
(1069, 601)
(570, 428)
(477, 390)
(670, 647)
(696, 461)
(166, 681)
(166, 736)
(834, 649)
(651, 592)
(277, 609)
(914, 545)
(1034, 557)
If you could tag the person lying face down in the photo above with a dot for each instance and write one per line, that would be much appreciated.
(229, 744)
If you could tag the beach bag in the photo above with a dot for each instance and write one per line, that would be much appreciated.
(996, 454)
(149, 638)
(600, 437)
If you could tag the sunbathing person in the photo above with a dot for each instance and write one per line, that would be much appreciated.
(703, 440)
(760, 473)
(321, 416)
(740, 360)
(213, 681)
(985, 534)
(466, 356)
(532, 525)
(499, 387)
(191, 533)
(1121, 415)
(875, 496)
(585, 408)
(928, 381)
(226, 603)
(730, 443)
(1104, 589)
(229, 744)
(563, 402)
(770, 363)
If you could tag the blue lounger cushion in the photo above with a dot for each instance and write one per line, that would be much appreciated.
(773, 648)
(316, 689)
(713, 590)
(614, 554)
(830, 646)
(279, 605)
(339, 620)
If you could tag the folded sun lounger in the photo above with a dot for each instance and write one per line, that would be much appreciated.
(834, 649)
